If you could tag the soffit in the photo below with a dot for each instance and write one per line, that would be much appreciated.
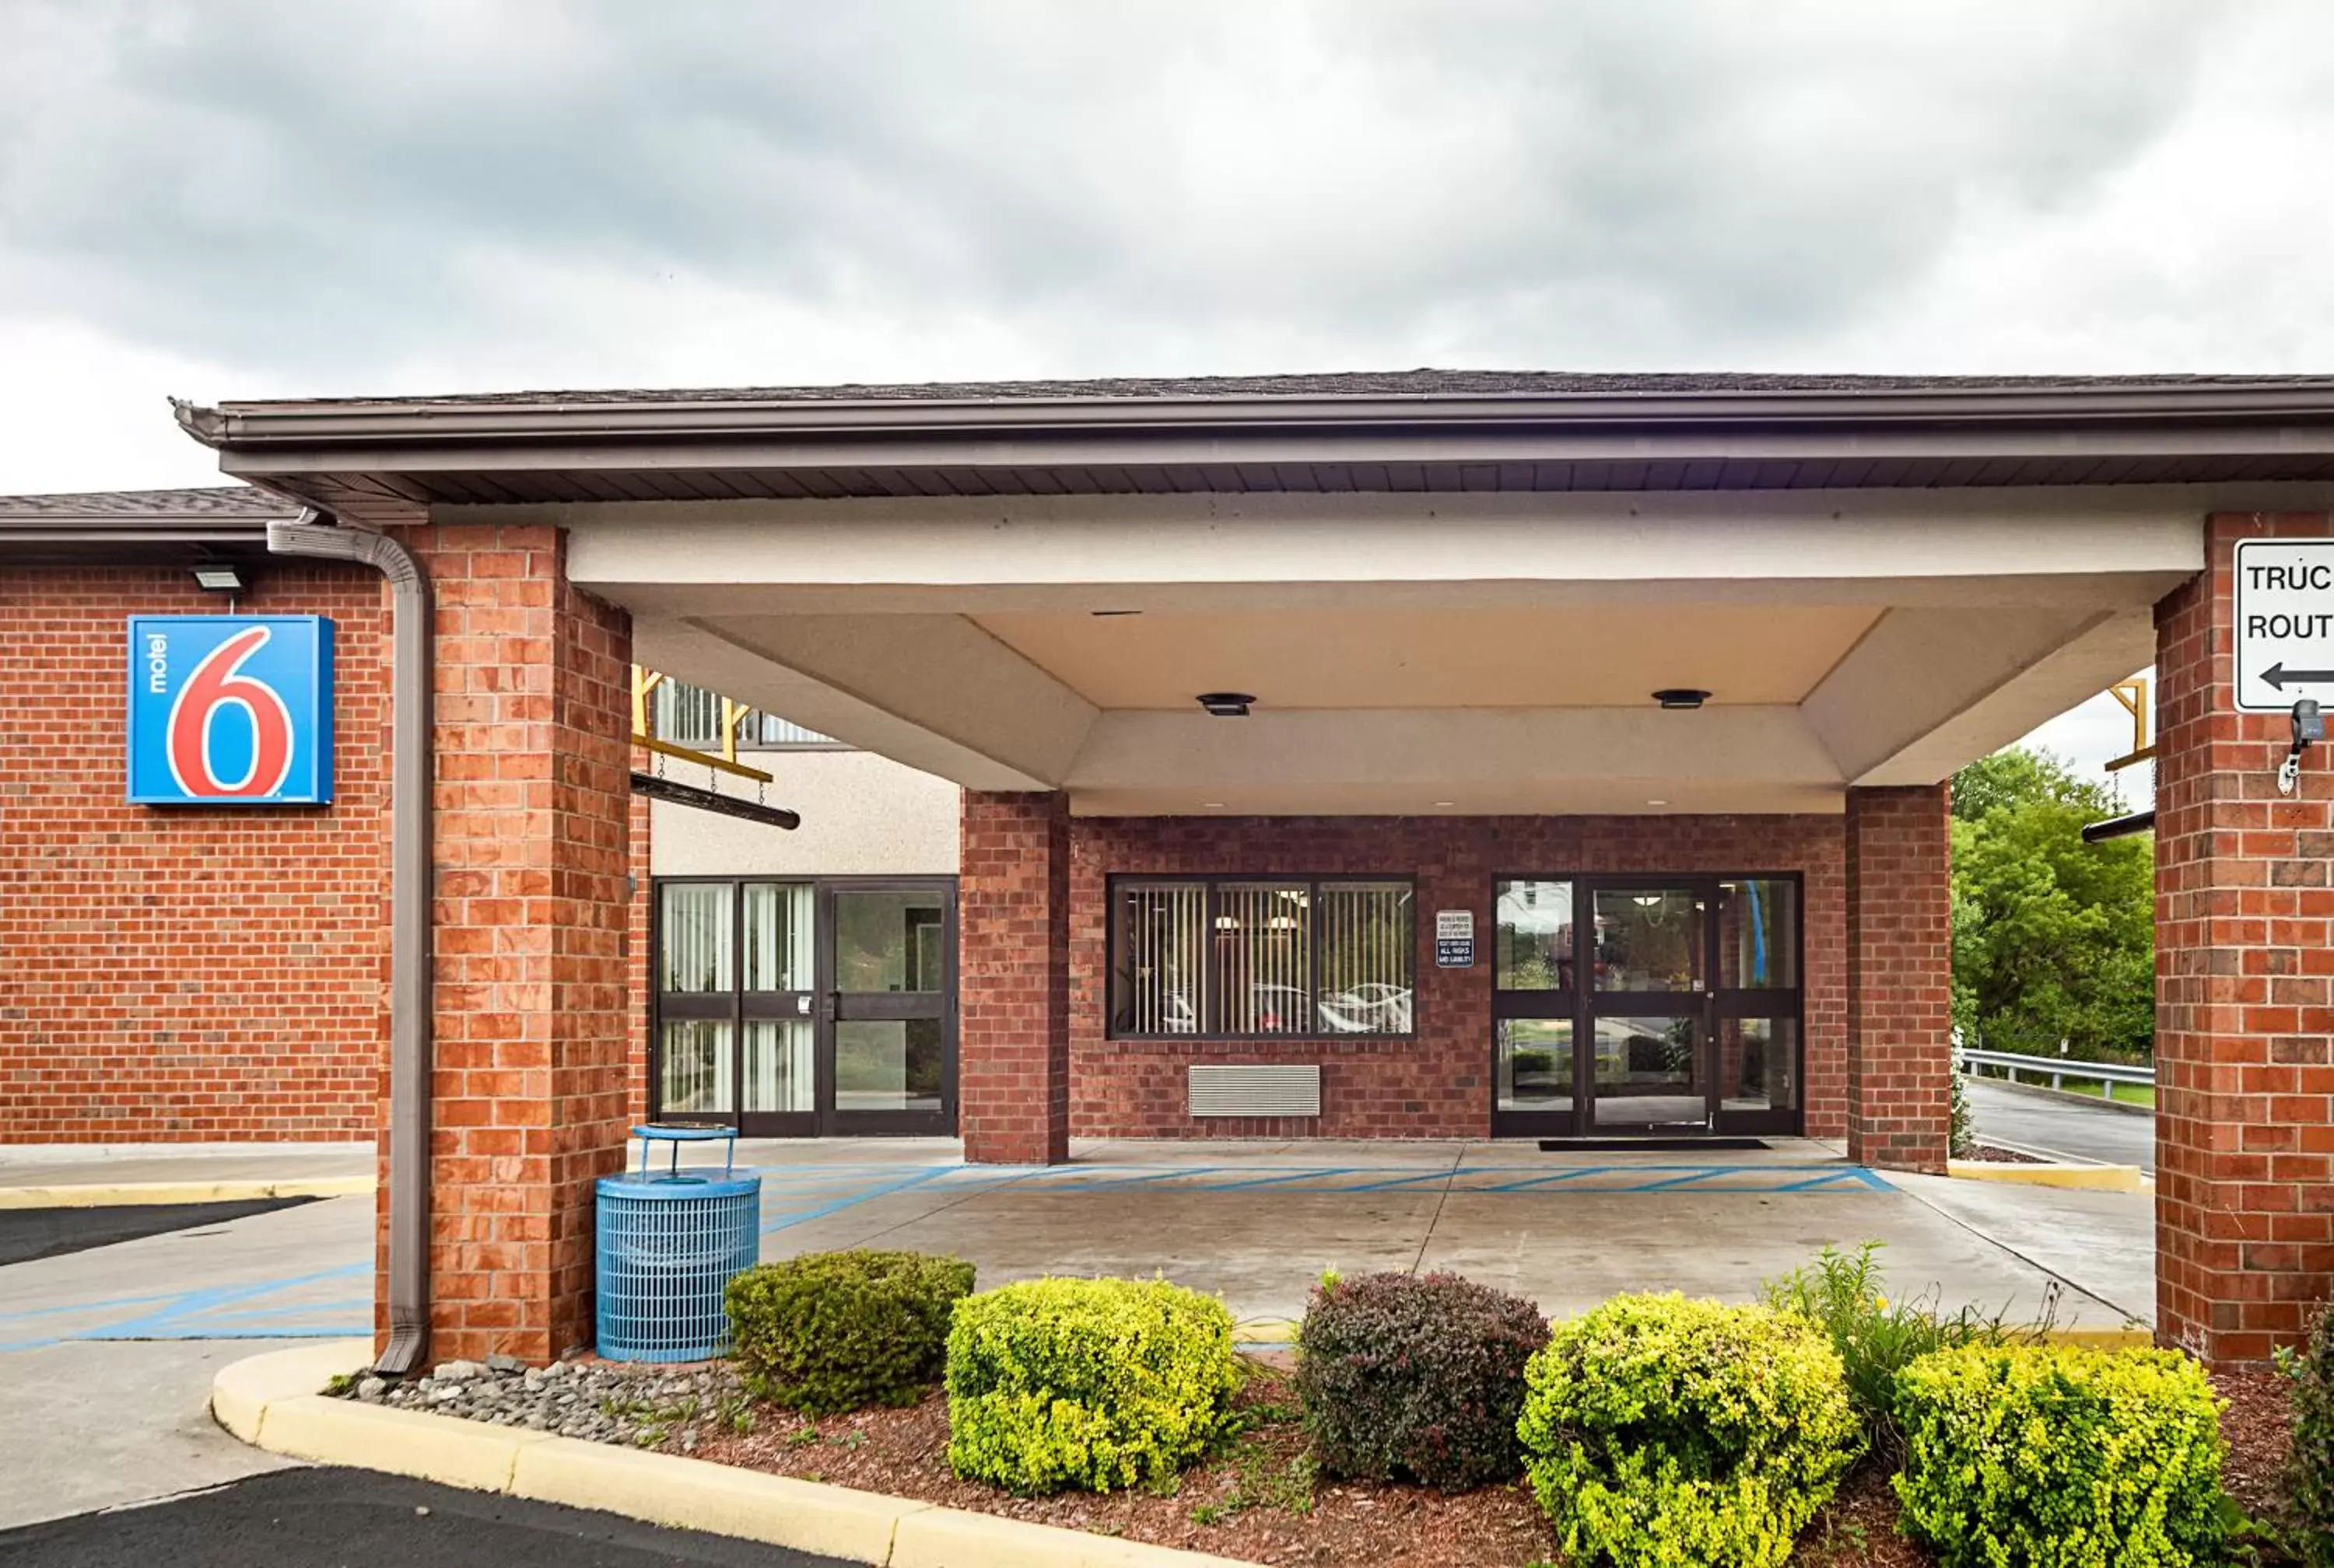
(1585, 657)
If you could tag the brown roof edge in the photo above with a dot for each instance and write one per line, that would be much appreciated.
(1124, 408)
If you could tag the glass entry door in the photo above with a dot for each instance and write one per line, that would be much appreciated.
(890, 1005)
(805, 1008)
(1653, 1005)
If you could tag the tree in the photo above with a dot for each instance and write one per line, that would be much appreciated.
(2053, 939)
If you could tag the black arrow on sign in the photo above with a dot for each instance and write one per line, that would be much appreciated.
(2277, 675)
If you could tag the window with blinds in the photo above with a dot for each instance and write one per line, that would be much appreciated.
(690, 716)
(1262, 958)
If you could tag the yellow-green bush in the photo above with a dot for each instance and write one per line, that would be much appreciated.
(1663, 1432)
(2062, 1457)
(1097, 1383)
(838, 1331)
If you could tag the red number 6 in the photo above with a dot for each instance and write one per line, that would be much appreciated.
(215, 682)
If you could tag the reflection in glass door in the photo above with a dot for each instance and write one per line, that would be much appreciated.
(1646, 1006)
(889, 1001)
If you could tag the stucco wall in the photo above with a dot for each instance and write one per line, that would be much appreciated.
(862, 815)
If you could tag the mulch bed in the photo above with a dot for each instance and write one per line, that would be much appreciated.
(1250, 1503)
(1993, 1154)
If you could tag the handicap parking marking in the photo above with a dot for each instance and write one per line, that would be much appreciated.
(314, 1305)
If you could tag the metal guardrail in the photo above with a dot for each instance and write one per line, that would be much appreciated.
(2057, 1069)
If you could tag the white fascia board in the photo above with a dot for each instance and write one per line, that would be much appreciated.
(691, 558)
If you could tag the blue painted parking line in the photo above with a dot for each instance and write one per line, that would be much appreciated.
(1403, 1182)
(790, 1219)
(1541, 1182)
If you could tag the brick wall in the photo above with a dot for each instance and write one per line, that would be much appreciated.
(1013, 944)
(184, 974)
(1436, 1084)
(1900, 976)
(639, 960)
(2244, 999)
(534, 1029)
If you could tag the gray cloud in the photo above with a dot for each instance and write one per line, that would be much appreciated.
(516, 191)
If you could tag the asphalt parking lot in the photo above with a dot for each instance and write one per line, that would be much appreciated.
(357, 1519)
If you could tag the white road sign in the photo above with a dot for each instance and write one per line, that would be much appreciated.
(2285, 623)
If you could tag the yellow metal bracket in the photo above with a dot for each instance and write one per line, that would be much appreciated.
(2133, 695)
(733, 713)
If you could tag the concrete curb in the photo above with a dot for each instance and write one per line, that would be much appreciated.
(271, 1402)
(2087, 1177)
(118, 1194)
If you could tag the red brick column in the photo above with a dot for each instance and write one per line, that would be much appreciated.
(639, 960)
(533, 1028)
(1900, 977)
(1013, 979)
(2245, 1020)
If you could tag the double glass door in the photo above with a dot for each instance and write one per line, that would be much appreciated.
(803, 1008)
(1646, 1004)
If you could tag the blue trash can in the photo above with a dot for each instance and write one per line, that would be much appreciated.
(670, 1242)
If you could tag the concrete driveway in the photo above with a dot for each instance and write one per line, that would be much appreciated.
(106, 1354)
(1259, 1222)
(2043, 1122)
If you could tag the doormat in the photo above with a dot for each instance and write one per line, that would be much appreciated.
(1642, 1145)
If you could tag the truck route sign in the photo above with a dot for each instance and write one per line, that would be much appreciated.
(2285, 624)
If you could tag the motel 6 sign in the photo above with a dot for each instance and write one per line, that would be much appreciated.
(230, 710)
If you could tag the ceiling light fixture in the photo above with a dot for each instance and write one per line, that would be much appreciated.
(1226, 704)
(1658, 802)
(1681, 697)
(1100, 614)
(218, 579)
(1446, 803)
(1213, 805)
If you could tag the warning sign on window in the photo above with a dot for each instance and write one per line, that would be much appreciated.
(1454, 939)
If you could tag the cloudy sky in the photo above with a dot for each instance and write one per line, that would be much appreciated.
(257, 197)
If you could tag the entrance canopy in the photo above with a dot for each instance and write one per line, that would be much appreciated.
(1444, 592)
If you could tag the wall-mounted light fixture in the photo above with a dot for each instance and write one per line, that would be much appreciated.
(1226, 704)
(1681, 697)
(218, 579)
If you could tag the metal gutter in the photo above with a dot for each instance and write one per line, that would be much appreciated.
(410, 1020)
(433, 422)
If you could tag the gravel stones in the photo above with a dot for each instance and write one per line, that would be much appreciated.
(648, 1406)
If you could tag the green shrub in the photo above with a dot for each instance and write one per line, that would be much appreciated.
(1095, 1383)
(1843, 1293)
(1662, 1431)
(2310, 1464)
(838, 1331)
(1421, 1377)
(2061, 1456)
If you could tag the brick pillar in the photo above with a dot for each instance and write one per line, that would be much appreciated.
(2245, 1021)
(1013, 979)
(1900, 977)
(640, 960)
(534, 1032)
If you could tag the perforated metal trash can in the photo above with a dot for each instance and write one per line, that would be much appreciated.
(670, 1241)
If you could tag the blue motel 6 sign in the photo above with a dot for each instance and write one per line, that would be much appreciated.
(230, 710)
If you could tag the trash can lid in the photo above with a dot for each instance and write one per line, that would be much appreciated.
(688, 1185)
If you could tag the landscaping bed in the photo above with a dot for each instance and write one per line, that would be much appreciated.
(1258, 1501)
(1430, 1421)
